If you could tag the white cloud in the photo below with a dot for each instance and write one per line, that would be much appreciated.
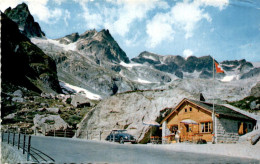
(186, 53)
(159, 29)
(221, 4)
(59, 2)
(120, 15)
(93, 20)
(183, 16)
(4, 4)
(186, 15)
(37, 8)
(66, 17)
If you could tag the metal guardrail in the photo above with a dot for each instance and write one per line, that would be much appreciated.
(23, 142)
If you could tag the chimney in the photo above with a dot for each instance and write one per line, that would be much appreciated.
(202, 97)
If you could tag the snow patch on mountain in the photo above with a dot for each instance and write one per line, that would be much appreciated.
(143, 81)
(229, 78)
(149, 57)
(130, 65)
(71, 46)
(76, 89)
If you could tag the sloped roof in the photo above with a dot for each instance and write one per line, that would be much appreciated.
(220, 110)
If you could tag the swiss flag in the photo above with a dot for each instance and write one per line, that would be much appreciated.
(218, 68)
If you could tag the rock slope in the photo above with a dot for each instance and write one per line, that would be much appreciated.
(23, 63)
(129, 111)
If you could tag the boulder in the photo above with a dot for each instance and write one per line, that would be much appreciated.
(17, 99)
(54, 110)
(79, 100)
(18, 93)
(10, 116)
(48, 95)
(129, 111)
(43, 122)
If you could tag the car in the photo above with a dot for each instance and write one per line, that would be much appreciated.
(120, 136)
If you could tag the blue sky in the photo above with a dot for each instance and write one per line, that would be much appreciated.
(225, 29)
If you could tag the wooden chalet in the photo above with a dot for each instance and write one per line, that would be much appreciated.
(193, 121)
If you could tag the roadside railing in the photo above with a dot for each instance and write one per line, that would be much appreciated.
(23, 143)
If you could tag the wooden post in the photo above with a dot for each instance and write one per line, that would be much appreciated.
(29, 148)
(65, 133)
(100, 135)
(19, 140)
(54, 132)
(87, 134)
(24, 137)
(13, 138)
(8, 136)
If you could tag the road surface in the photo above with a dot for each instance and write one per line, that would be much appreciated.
(65, 150)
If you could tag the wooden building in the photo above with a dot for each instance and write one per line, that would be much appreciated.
(193, 121)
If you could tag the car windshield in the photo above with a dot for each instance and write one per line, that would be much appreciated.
(118, 131)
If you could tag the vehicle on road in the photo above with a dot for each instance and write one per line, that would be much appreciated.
(120, 136)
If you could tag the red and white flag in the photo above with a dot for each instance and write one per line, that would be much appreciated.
(218, 68)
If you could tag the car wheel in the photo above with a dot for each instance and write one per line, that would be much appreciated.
(121, 140)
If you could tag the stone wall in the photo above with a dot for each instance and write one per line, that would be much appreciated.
(227, 130)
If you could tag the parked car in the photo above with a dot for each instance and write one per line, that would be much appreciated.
(121, 137)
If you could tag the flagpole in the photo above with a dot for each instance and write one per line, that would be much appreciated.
(213, 114)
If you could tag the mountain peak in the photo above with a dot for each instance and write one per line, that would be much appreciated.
(88, 34)
(23, 6)
(69, 38)
(22, 16)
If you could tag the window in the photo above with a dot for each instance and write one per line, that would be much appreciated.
(187, 127)
(185, 110)
(206, 127)
(190, 109)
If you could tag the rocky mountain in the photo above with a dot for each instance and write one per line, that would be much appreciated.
(100, 65)
(23, 63)
(94, 61)
(21, 15)
(100, 46)
(192, 67)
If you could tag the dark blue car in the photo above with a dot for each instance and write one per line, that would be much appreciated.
(121, 137)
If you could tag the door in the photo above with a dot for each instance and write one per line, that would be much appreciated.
(184, 132)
